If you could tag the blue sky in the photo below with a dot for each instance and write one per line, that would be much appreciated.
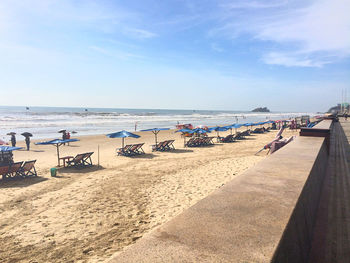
(224, 55)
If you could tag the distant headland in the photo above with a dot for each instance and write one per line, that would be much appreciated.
(261, 109)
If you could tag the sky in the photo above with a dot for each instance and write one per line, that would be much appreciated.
(175, 54)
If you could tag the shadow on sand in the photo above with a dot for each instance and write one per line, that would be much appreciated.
(178, 151)
(68, 170)
(21, 182)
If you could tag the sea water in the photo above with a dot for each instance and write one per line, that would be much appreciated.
(45, 122)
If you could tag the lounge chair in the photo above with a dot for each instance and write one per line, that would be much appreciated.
(80, 160)
(190, 142)
(158, 147)
(228, 138)
(138, 149)
(4, 170)
(15, 169)
(164, 146)
(258, 130)
(28, 169)
(169, 145)
(124, 150)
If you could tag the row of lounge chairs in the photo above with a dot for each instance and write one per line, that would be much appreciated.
(199, 141)
(261, 130)
(164, 146)
(234, 137)
(18, 170)
(131, 150)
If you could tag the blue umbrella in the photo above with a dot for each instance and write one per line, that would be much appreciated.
(184, 130)
(236, 126)
(9, 148)
(122, 134)
(57, 143)
(4, 149)
(218, 129)
(199, 130)
(156, 131)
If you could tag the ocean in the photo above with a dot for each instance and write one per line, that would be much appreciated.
(45, 122)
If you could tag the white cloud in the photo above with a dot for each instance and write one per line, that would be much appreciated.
(308, 34)
(254, 4)
(139, 33)
(291, 60)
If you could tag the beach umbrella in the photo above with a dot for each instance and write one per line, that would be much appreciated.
(62, 131)
(229, 127)
(9, 148)
(27, 134)
(183, 132)
(156, 131)
(236, 126)
(57, 143)
(199, 131)
(4, 149)
(213, 128)
(11, 133)
(219, 129)
(122, 134)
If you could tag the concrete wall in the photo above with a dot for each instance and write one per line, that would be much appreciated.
(296, 241)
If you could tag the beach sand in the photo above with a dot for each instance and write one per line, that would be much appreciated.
(87, 215)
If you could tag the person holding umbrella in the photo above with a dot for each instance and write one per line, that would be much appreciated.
(13, 140)
(27, 136)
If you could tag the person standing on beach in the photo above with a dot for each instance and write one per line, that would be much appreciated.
(27, 142)
(13, 140)
(64, 136)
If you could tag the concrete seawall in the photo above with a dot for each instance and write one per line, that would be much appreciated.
(269, 213)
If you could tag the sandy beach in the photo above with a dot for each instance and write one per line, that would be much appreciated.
(90, 214)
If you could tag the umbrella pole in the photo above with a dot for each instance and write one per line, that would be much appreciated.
(58, 155)
(155, 135)
(98, 155)
(123, 142)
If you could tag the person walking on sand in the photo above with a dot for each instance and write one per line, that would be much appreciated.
(27, 142)
(13, 140)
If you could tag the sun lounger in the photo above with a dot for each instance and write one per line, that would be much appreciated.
(124, 150)
(15, 169)
(80, 160)
(131, 150)
(138, 149)
(228, 138)
(170, 145)
(4, 170)
(159, 146)
(164, 146)
(199, 141)
(258, 130)
(28, 169)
